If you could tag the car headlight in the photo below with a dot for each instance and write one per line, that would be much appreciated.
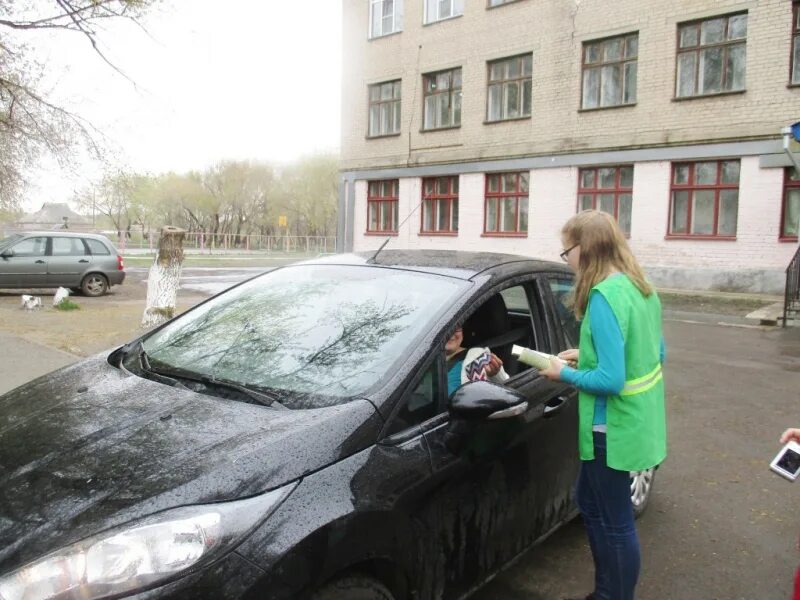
(141, 554)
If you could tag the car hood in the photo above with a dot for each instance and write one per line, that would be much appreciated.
(90, 447)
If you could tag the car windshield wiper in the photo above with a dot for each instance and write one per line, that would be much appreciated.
(173, 377)
(259, 397)
(137, 349)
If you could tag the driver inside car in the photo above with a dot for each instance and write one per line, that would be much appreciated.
(473, 364)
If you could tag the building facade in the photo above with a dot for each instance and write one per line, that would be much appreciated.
(485, 124)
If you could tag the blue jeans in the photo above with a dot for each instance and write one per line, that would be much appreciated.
(603, 495)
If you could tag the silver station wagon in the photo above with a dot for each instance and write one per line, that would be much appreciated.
(49, 259)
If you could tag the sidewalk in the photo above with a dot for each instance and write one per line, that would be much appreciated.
(24, 360)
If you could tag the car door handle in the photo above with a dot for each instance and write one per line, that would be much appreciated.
(39, 262)
(554, 405)
(83, 260)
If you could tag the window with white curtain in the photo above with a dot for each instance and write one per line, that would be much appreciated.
(385, 17)
(437, 10)
(712, 56)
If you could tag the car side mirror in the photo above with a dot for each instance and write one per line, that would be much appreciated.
(486, 400)
(7, 253)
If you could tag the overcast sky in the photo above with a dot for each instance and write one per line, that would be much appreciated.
(239, 79)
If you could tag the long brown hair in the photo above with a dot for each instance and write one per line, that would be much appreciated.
(603, 249)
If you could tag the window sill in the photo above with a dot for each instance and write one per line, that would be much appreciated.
(508, 234)
(385, 135)
(527, 118)
(701, 96)
(438, 233)
(701, 238)
(442, 20)
(787, 239)
(381, 233)
(793, 86)
(385, 35)
(501, 5)
(595, 109)
(435, 129)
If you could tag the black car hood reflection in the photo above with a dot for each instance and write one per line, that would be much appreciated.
(88, 447)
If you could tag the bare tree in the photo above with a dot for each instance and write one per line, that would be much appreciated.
(31, 123)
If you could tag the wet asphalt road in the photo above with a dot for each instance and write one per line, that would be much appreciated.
(721, 525)
(205, 280)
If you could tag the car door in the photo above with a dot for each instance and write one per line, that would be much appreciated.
(67, 261)
(24, 264)
(512, 482)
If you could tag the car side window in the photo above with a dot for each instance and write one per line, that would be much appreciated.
(96, 246)
(30, 247)
(501, 322)
(421, 404)
(64, 246)
(561, 289)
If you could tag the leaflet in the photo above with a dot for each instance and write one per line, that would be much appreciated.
(534, 358)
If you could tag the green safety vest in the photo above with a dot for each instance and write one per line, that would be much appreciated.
(636, 431)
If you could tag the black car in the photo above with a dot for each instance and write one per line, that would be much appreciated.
(292, 437)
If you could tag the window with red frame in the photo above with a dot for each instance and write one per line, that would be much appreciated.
(790, 213)
(609, 189)
(705, 199)
(440, 205)
(382, 206)
(506, 208)
(796, 43)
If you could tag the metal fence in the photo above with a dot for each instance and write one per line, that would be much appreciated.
(199, 242)
(229, 242)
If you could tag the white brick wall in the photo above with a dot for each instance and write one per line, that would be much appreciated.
(553, 199)
(554, 31)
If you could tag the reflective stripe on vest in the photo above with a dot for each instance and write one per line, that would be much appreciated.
(642, 384)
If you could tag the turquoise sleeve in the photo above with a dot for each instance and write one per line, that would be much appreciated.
(608, 378)
(454, 377)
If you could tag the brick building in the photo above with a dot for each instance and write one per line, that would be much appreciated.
(485, 124)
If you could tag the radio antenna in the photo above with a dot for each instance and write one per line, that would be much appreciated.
(388, 239)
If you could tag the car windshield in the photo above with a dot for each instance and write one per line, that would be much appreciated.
(8, 241)
(312, 335)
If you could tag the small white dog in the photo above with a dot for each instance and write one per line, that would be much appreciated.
(31, 302)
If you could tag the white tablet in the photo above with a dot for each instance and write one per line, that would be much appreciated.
(787, 462)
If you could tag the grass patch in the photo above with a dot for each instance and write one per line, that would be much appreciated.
(67, 304)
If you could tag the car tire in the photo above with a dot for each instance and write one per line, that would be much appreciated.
(354, 588)
(641, 489)
(94, 284)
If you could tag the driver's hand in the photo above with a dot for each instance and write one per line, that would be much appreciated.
(493, 368)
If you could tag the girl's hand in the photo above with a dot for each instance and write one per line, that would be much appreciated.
(553, 372)
(571, 356)
(791, 435)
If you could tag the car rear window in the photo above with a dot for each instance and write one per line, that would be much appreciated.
(96, 246)
(65, 246)
(314, 335)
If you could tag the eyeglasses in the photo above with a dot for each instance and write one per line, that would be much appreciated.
(566, 252)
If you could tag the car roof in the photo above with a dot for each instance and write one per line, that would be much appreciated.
(64, 233)
(452, 263)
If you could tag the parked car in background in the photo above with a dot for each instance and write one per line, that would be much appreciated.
(50, 259)
(293, 437)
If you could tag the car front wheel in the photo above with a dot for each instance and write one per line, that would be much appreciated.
(94, 284)
(354, 588)
(641, 487)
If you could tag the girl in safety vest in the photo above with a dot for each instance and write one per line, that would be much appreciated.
(622, 424)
